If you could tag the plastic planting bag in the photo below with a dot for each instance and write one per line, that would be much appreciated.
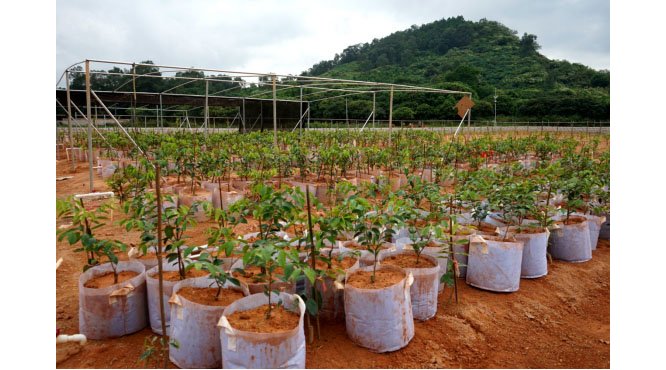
(425, 288)
(116, 310)
(231, 197)
(186, 198)
(495, 219)
(254, 288)
(193, 327)
(333, 299)
(248, 350)
(571, 243)
(380, 319)
(594, 224)
(104, 163)
(367, 258)
(493, 264)
(134, 255)
(535, 263)
(227, 262)
(441, 256)
(153, 289)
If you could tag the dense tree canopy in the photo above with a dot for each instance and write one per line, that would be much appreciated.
(478, 57)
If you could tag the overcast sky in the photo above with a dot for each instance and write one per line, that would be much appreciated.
(288, 37)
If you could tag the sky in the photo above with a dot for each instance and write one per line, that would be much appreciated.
(289, 36)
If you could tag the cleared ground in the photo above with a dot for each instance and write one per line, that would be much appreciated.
(558, 321)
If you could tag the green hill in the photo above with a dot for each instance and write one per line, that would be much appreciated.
(473, 56)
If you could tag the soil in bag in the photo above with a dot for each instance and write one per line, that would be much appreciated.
(336, 264)
(572, 220)
(206, 296)
(255, 321)
(106, 280)
(175, 276)
(408, 261)
(383, 279)
(253, 275)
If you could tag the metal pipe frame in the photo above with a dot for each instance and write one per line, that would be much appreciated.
(275, 143)
(117, 123)
(321, 85)
(253, 74)
(86, 118)
(360, 86)
(69, 121)
(340, 96)
(297, 79)
(89, 117)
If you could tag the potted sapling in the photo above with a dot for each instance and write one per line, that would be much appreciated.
(332, 265)
(178, 221)
(192, 193)
(196, 306)
(494, 262)
(145, 220)
(345, 216)
(533, 235)
(597, 211)
(141, 215)
(596, 199)
(261, 266)
(265, 330)
(424, 267)
(374, 233)
(223, 243)
(378, 310)
(571, 237)
(272, 209)
(112, 294)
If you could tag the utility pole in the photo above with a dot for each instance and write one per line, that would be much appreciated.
(275, 142)
(89, 117)
(69, 123)
(206, 111)
(495, 100)
(346, 113)
(373, 109)
(390, 115)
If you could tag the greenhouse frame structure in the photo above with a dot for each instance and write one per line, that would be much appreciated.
(309, 87)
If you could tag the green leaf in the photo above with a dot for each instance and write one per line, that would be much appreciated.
(311, 306)
(72, 237)
(310, 274)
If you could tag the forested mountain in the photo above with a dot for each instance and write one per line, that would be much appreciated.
(472, 56)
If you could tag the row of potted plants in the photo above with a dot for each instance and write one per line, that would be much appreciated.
(398, 248)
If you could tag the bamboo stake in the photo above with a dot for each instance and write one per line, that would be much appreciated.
(312, 253)
(159, 258)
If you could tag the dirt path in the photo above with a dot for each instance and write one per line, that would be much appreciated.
(558, 321)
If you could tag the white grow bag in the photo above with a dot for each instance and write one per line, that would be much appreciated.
(380, 319)
(193, 326)
(249, 350)
(116, 310)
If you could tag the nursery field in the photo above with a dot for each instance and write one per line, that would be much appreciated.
(412, 193)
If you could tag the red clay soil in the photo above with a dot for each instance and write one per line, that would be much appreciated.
(175, 275)
(206, 296)
(252, 273)
(106, 280)
(408, 261)
(336, 264)
(255, 321)
(561, 320)
(527, 230)
(383, 278)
